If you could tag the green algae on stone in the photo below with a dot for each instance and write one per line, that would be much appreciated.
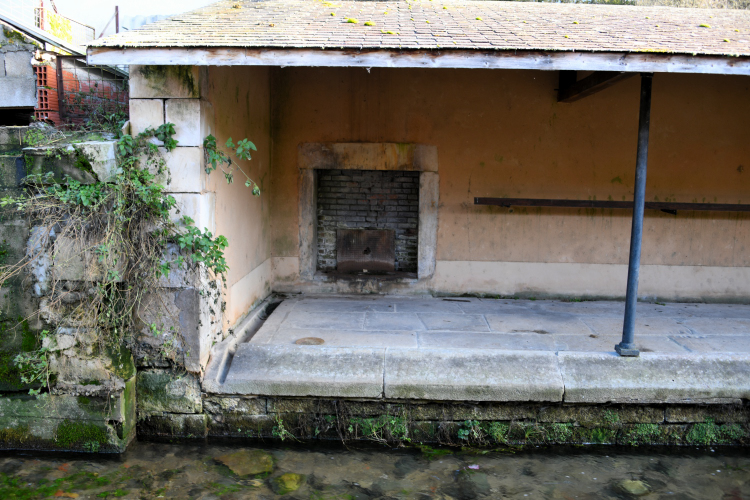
(247, 462)
(287, 483)
(122, 361)
(161, 80)
(71, 434)
(14, 436)
(15, 337)
(634, 488)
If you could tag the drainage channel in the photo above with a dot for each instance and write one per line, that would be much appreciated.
(222, 353)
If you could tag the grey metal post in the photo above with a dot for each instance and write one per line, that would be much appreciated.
(627, 346)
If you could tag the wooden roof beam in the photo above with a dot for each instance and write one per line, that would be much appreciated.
(391, 58)
(571, 89)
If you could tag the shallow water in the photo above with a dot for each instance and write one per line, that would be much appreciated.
(157, 470)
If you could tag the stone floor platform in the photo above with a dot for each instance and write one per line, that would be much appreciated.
(471, 349)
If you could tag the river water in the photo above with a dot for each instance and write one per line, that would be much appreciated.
(191, 471)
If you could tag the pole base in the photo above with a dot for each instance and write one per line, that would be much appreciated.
(627, 350)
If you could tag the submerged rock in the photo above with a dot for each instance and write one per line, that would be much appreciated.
(287, 483)
(634, 488)
(246, 462)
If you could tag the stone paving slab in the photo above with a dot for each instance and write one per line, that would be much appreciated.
(276, 370)
(654, 378)
(606, 343)
(714, 343)
(495, 350)
(717, 326)
(644, 326)
(492, 306)
(538, 323)
(470, 340)
(428, 305)
(472, 374)
(352, 305)
(340, 320)
(455, 322)
(349, 338)
(393, 321)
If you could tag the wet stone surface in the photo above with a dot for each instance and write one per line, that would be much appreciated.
(190, 471)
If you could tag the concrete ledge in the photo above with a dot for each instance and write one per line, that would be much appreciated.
(654, 378)
(472, 375)
(306, 371)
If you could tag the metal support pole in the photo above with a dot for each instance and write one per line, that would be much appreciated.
(627, 346)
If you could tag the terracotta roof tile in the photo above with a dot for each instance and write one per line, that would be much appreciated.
(470, 24)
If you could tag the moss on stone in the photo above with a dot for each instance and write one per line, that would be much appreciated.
(179, 425)
(128, 408)
(122, 361)
(71, 434)
(16, 336)
(11, 437)
(639, 434)
(559, 433)
(159, 76)
(708, 433)
(83, 163)
(602, 436)
(14, 36)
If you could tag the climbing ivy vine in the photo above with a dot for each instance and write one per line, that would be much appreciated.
(123, 234)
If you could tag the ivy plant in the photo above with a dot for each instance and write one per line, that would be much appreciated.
(126, 226)
(216, 158)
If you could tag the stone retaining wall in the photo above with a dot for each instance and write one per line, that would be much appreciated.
(165, 414)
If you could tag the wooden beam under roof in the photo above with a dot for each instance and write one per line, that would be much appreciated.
(440, 58)
(571, 90)
(666, 206)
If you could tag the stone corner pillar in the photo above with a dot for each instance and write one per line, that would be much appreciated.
(178, 95)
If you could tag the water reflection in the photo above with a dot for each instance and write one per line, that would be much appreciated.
(190, 471)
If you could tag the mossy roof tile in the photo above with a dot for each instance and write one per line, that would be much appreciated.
(291, 24)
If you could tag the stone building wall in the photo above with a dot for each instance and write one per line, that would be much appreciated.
(91, 403)
(17, 80)
(368, 199)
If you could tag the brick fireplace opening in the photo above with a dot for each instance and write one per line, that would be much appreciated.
(377, 210)
(367, 210)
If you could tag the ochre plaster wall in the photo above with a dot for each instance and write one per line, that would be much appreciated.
(502, 133)
(240, 98)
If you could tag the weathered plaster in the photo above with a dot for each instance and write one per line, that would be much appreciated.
(236, 104)
(502, 133)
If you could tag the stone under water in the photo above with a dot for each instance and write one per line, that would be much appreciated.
(247, 462)
(635, 488)
(287, 483)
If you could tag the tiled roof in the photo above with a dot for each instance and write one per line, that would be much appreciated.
(445, 24)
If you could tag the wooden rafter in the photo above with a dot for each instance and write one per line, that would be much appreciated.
(571, 90)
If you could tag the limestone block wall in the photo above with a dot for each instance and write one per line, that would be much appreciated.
(173, 94)
(17, 79)
(91, 402)
(226, 103)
